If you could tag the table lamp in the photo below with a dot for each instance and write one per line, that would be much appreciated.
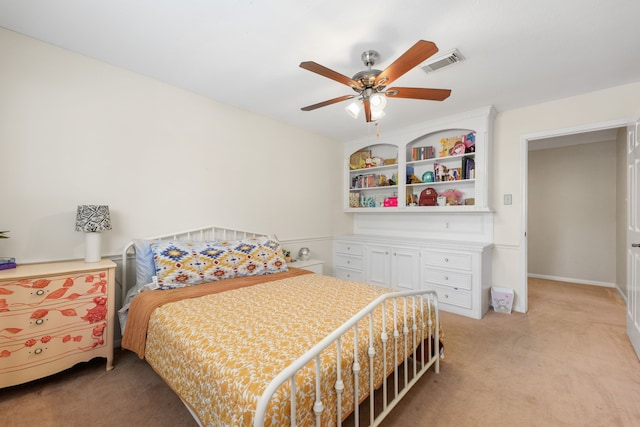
(92, 219)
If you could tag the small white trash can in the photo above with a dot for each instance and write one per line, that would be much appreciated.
(502, 299)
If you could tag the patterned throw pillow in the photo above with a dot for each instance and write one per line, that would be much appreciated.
(239, 258)
(176, 263)
(179, 264)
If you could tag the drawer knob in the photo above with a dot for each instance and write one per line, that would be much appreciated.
(38, 351)
(39, 321)
(348, 262)
(39, 292)
(446, 277)
(446, 296)
(446, 260)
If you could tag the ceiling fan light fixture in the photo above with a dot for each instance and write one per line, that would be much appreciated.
(378, 102)
(353, 109)
(377, 115)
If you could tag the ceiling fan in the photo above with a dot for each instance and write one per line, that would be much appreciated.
(370, 84)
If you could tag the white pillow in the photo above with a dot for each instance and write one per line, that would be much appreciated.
(145, 268)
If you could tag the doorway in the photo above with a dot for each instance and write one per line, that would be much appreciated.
(556, 139)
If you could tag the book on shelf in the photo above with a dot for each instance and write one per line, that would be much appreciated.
(423, 153)
(369, 181)
(7, 260)
(468, 168)
(8, 265)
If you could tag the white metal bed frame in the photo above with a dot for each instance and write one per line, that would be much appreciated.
(409, 306)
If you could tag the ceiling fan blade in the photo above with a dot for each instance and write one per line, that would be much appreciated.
(367, 109)
(418, 93)
(416, 54)
(329, 102)
(333, 75)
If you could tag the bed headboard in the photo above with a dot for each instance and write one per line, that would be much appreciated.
(198, 234)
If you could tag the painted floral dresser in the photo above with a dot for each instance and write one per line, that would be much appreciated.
(53, 316)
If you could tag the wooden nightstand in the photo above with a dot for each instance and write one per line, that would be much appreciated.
(53, 316)
(315, 265)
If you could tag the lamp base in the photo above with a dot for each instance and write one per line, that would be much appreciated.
(92, 246)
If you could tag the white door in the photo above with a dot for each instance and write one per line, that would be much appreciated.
(633, 236)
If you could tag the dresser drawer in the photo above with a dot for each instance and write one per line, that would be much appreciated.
(448, 278)
(40, 349)
(344, 274)
(447, 259)
(451, 296)
(349, 248)
(46, 290)
(42, 319)
(348, 262)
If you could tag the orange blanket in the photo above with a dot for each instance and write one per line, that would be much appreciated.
(135, 333)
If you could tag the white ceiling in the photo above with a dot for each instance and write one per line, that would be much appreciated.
(246, 52)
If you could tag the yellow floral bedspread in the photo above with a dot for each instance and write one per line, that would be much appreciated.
(219, 352)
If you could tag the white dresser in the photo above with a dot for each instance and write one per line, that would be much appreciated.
(348, 259)
(460, 272)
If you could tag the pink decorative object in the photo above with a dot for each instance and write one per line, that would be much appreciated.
(453, 196)
(390, 202)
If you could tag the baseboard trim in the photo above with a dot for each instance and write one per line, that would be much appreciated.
(572, 280)
(622, 295)
(582, 282)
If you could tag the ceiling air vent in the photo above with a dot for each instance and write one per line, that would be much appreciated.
(442, 61)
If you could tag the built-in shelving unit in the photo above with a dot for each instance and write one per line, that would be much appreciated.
(403, 244)
(449, 156)
(373, 176)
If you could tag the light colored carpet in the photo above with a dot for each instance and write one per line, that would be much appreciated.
(567, 362)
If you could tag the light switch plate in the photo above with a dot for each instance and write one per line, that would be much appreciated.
(507, 199)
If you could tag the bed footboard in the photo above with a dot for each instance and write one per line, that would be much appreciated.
(410, 349)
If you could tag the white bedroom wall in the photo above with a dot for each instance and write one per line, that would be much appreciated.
(74, 130)
(510, 126)
(572, 213)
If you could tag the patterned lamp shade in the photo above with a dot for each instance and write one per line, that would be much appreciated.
(93, 218)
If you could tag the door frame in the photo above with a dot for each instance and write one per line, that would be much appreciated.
(524, 182)
(632, 313)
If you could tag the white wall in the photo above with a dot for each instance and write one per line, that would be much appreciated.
(572, 213)
(611, 104)
(78, 131)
